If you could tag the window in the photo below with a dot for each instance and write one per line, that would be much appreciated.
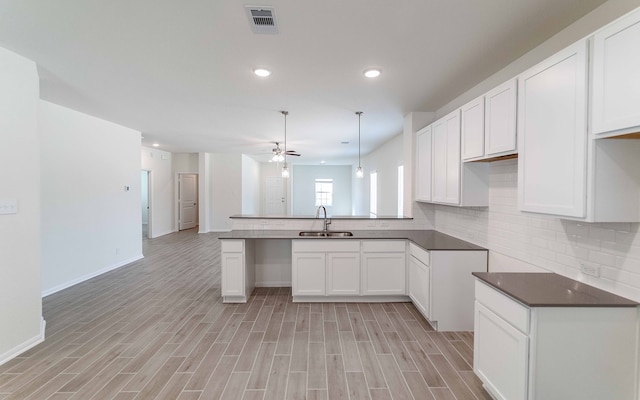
(324, 192)
(400, 190)
(373, 194)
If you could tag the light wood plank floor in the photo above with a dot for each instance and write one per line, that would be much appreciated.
(157, 329)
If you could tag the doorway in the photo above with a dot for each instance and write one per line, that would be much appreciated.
(145, 189)
(187, 201)
(275, 199)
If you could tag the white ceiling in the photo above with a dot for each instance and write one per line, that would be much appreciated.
(181, 71)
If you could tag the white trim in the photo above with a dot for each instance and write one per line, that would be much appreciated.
(21, 348)
(353, 299)
(273, 284)
(215, 230)
(89, 276)
(162, 234)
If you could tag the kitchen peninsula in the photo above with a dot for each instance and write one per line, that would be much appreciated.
(424, 266)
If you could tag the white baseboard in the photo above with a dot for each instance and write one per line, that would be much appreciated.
(65, 285)
(21, 348)
(157, 235)
(274, 284)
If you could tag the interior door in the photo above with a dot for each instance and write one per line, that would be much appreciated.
(188, 200)
(275, 203)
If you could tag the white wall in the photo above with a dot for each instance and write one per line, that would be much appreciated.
(144, 204)
(250, 185)
(21, 325)
(303, 194)
(185, 162)
(204, 193)
(161, 198)
(90, 223)
(385, 161)
(225, 171)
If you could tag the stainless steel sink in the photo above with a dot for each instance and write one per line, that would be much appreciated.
(325, 234)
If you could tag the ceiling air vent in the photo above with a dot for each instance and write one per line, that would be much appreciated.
(262, 19)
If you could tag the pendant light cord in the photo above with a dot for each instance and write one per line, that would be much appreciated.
(359, 114)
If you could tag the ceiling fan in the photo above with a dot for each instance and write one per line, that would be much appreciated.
(278, 153)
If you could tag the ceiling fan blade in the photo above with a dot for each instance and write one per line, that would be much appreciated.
(294, 154)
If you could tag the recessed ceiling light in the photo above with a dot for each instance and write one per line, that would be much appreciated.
(372, 72)
(322, 162)
(262, 72)
(156, 145)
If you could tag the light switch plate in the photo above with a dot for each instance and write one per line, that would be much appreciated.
(8, 207)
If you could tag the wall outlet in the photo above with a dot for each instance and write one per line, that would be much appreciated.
(590, 269)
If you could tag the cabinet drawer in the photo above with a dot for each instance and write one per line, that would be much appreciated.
(511, 311)
(383, 246)
(325, 245)
(232, 246)
(419, 253)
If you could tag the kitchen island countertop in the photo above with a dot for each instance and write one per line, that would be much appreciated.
(427, 239)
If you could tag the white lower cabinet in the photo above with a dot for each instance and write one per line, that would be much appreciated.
(553, 353)
(237, 271)
(343, 273)
(419, 276)
(503, 356)
(441, 285)
(384, 267)
(308, 275)
(325, 267)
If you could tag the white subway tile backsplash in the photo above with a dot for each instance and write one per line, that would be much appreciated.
(546, 241)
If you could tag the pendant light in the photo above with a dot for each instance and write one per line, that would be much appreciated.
(359, 172)
(285, 168)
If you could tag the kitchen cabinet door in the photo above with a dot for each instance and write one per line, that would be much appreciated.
(232, 274)
(472, 129)
(446, 159)
(616, 77)
(552, 134)
(423, 164)
(500, 120)
(343, 273)
(419, 282)
(383, 273)
(501, 355)
(308, 274)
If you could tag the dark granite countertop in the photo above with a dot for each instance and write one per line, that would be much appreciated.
(551, 290)
(427, 239)
(356, 217)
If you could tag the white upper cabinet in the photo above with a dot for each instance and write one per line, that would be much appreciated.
(446, 159)
(456, 183)
(489, 124)
(616, 77)
(552, 136)
(473, 129)
(500, 120)
(423, 164)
